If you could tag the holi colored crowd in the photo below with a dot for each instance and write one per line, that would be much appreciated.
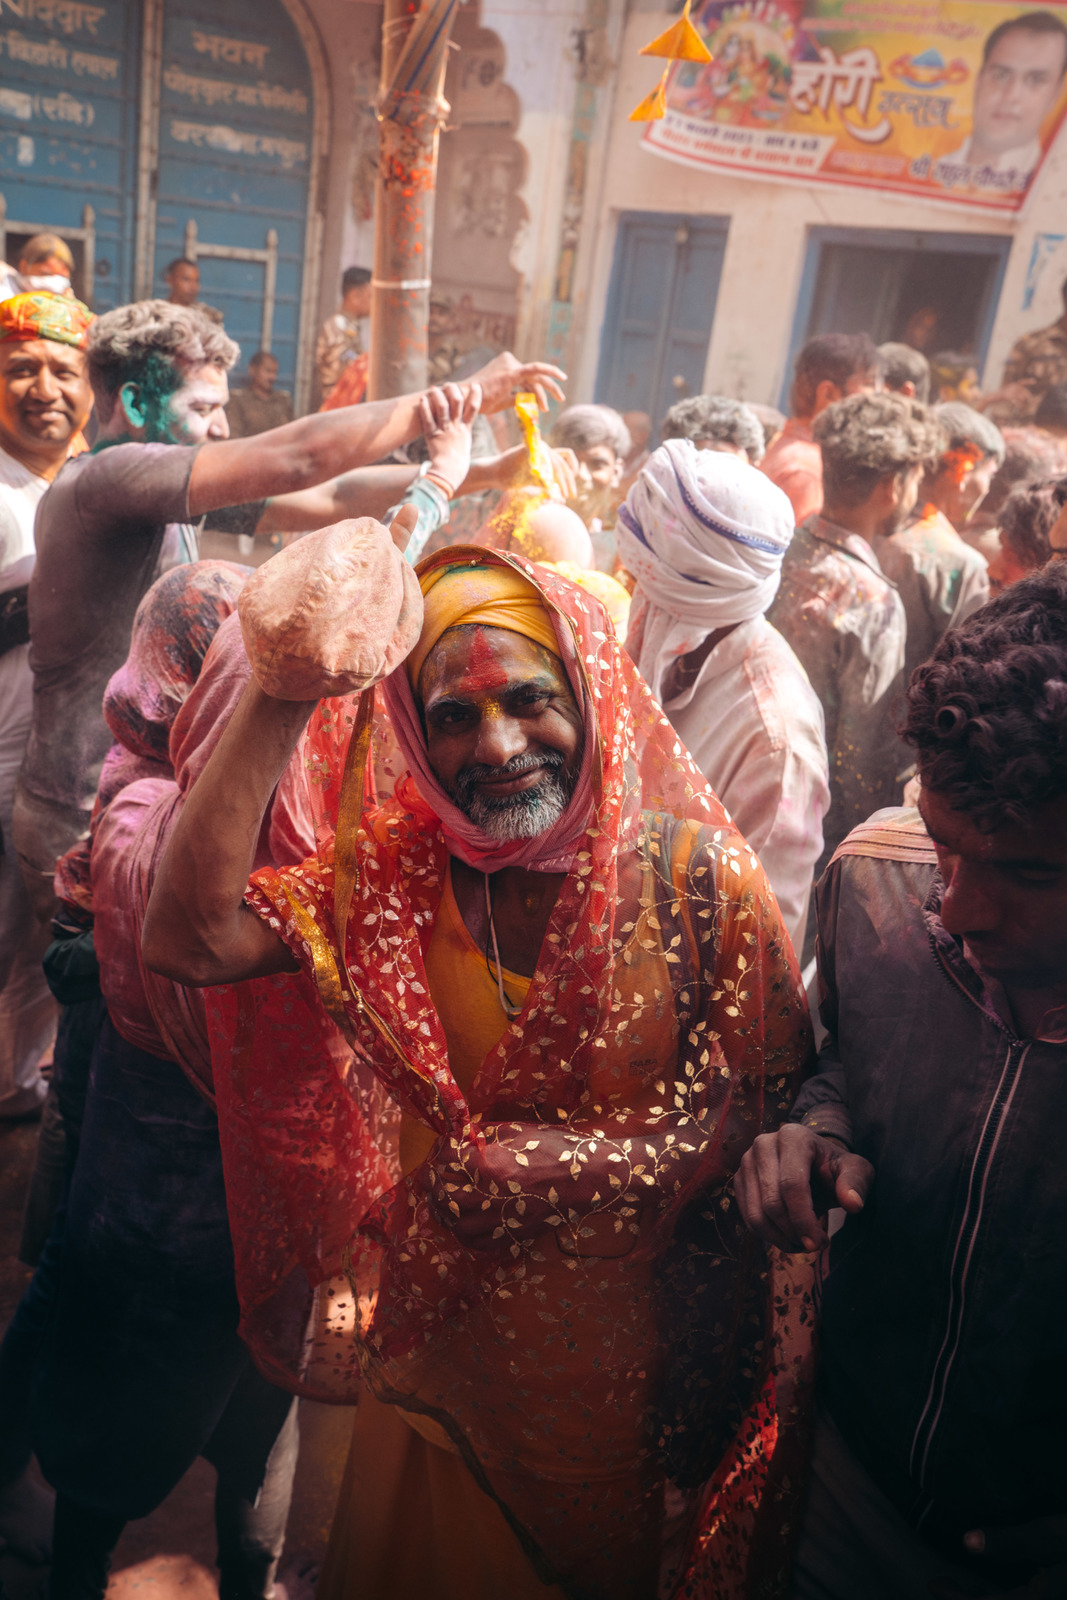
(568, 954)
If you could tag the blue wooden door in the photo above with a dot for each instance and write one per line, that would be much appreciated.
(235, 150)
(660, 310)
(69, 75)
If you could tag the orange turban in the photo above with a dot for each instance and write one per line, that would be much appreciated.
(497, 597)
(45, 316)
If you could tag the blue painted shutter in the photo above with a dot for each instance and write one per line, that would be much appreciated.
(235, 143)
(69, 76)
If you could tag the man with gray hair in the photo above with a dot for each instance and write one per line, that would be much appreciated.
(600, 442)
(942, 580)
(704, 535)
(114, 517)
(715, 423)
(838, 609)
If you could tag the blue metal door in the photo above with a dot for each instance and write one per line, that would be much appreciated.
(660, 310)
(69, 74)
(235, 150)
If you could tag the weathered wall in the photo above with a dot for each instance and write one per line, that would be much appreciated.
(540, 159)
(768, 238)
(351, 33)
(504, 161)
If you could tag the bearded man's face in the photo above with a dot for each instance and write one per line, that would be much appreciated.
(503, 730)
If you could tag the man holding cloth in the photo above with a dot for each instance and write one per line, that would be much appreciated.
(572, 1004)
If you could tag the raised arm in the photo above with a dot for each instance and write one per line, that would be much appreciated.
(446, 426)
(364, 492)
(307, 452)
(197, 929)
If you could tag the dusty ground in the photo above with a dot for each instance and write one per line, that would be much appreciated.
(170, 1555)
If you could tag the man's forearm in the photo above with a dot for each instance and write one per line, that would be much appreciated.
(822, 1103)
(197, 929)
(301, 454)
(365, 492)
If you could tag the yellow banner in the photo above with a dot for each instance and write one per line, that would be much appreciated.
(957, 101)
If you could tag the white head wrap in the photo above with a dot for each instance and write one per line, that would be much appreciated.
(704, 534)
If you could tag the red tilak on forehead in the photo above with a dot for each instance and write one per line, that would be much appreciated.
(483, 672)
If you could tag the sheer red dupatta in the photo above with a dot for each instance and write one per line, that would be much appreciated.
(172, 631)
(548, 1365)
(128, 842)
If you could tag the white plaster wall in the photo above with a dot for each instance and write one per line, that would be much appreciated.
(538, 41)
(537, 38)
(768, 238)
(1044, 214)
(350, 30)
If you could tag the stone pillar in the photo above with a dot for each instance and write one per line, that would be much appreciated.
(411, 110)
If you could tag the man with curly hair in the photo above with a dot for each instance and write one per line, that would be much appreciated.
(1026, 521)
(116, 517)
(938, 1466)
(843, 617)
(714, 422)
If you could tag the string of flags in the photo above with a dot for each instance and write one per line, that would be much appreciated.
(681, 42)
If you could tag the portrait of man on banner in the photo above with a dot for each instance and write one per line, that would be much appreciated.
(1024, 61)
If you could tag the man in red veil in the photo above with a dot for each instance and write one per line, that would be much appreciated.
(506, 1216)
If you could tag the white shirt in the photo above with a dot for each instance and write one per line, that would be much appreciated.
(754, 727)
(20, 492)
(1022, 160)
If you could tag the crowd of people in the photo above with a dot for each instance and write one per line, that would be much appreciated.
(426, 929)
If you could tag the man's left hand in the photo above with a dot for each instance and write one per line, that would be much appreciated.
(511, 467)
(505, 377)
(447, 415)
(1042, 1542)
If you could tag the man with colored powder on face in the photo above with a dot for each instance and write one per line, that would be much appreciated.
(573, 1003)
(115, 518)
(941, 579)
(45, 401)
(936, 1121)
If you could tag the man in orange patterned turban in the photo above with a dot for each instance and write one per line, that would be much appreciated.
(503, 1216)
(44, 401)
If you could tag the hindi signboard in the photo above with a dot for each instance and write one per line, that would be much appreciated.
(956, 101)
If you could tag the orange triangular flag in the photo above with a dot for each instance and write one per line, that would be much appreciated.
(681, 42)
(654, 105)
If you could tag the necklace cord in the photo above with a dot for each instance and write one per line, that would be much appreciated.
(509, 1007)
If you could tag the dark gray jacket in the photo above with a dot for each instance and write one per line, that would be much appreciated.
(945, 1309)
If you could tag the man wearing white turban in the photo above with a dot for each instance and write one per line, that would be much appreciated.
(704, 535)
